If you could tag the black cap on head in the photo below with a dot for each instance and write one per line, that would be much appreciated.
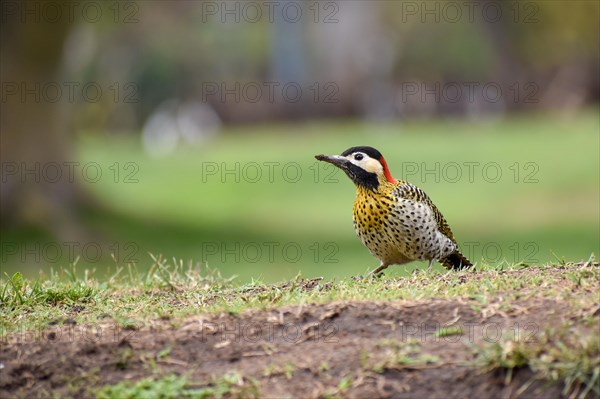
(370, 151)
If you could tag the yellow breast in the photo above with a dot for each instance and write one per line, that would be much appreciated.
(371, 209)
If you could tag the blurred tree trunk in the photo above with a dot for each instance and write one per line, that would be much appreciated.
(35, 133)
(508, 67)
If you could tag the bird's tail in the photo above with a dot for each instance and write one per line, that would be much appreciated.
(455, 261)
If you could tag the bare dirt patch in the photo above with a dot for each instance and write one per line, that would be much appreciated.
(349, 349)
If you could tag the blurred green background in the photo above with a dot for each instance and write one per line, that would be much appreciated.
(163, 136)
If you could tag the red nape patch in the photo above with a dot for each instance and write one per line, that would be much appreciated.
(386, 171)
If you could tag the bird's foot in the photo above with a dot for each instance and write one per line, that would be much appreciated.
(425, 272)
(377, 275)
(369, 276)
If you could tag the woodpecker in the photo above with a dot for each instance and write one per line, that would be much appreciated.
(394, 219)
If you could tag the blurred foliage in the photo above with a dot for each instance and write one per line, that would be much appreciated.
(173, 49)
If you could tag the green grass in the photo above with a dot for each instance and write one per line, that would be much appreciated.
(567, 352)
(544, 203)
(18, 292)
(132, 298)
(175, 387)
(448, 331)
(561, 354)
(401, 354)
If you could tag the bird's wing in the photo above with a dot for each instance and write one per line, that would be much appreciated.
(412, 192)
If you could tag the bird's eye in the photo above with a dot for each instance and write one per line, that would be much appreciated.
(358, 157)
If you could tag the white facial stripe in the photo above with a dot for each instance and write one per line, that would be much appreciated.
(367, 163)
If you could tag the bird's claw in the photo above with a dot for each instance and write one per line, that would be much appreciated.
(419, 271)
(363, 277)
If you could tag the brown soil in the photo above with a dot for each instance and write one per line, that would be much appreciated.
(380, 349)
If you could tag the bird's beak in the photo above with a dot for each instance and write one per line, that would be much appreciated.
(336, 160)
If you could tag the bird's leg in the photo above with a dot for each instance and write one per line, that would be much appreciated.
(377, 271)
(373, 274)
(430, 265)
